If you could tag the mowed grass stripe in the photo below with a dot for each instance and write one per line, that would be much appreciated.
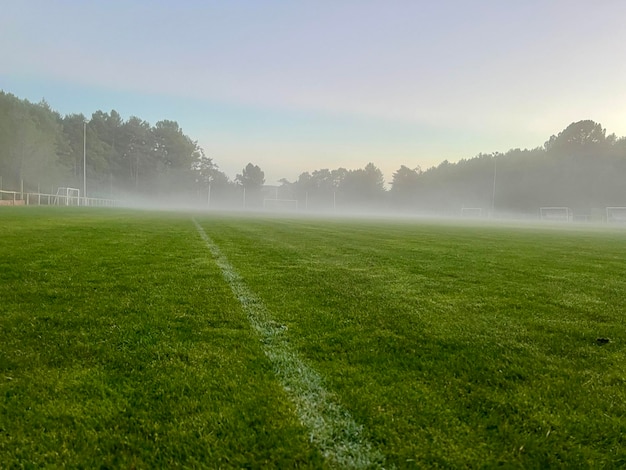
(454, 345)
(332, 428)
(121, 346)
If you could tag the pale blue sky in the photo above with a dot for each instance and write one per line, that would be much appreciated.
(296, 86)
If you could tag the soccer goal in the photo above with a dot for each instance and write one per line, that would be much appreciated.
(616, 215)
(280, 204)
(67, 197)
(556, 214)
(472, 212)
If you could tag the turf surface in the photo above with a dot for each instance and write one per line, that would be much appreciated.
(122, 347)
(121, 344)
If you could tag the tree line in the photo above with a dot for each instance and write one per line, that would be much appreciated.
(43, 149)
(581, 167)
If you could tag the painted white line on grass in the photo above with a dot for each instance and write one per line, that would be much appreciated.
(331, 427)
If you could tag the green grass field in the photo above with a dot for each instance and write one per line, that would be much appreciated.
(123, 342)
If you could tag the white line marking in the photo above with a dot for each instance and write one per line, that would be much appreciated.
(331, 427)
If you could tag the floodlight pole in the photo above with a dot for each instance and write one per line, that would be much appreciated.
(84, 163)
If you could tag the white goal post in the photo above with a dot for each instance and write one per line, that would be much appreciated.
(616, 214)
(67, 197)
(280, 204)
(556, 214)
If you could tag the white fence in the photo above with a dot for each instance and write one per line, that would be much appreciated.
(16, 198)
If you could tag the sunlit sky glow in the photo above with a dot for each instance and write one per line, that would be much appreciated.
(299, 86)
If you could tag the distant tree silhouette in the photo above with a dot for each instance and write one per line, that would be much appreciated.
(363, 187)
(251, 179)
(578, 136)
(404, 186)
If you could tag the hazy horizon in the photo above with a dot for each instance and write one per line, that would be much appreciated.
(311, 85)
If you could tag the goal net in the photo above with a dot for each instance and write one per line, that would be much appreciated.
(280, 204)
(67, 197)
(556, 214)
(616, 215)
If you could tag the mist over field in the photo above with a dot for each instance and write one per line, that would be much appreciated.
(580, 169)
(350, 107)
(359, 234)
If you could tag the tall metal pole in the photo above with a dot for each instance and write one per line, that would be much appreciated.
(84, 163)
(493, 194)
